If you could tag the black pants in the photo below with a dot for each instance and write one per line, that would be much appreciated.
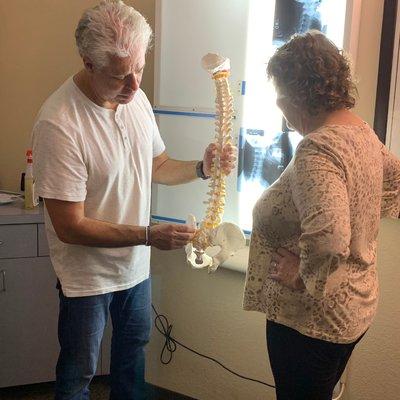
(305, 368)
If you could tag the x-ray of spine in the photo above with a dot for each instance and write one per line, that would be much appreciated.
(296, 16)
(262, 160)
(263, 155)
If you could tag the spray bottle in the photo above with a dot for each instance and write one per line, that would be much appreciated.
(30, 197)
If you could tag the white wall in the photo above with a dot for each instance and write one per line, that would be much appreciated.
(207, 315)
(374, 372)
(37, 54)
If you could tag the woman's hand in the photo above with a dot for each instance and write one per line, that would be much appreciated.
(285, 269)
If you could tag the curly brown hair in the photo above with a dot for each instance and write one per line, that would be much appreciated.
(313, 73)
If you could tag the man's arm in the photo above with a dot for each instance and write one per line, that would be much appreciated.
(173, 172)
(73, 227)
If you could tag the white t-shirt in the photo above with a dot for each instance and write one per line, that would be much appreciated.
(84, 152)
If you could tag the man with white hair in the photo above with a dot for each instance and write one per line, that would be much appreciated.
(97, 149)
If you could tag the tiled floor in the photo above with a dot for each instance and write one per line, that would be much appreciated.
(98, 391)
(45, 391)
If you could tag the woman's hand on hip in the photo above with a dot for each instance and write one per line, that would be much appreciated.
(285, 269)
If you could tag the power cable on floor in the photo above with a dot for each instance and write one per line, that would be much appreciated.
(165, 328)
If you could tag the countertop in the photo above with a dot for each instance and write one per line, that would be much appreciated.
(14, 213)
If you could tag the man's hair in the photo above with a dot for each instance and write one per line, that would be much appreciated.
(111, 28)
(313, 73)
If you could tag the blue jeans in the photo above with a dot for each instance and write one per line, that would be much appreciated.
(80, 329)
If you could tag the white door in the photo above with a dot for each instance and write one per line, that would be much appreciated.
(393, 126)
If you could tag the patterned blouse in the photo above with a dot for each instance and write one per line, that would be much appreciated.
(326, 208)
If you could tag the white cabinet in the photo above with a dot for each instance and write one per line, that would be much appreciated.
(28, 307)
(29, 301)
(28, 322)
(17, 241)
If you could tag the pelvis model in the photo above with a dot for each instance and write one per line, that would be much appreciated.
(214, 241)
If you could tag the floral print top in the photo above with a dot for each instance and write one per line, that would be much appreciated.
(326, 208)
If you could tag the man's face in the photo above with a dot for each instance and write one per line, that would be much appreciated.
(118, 82)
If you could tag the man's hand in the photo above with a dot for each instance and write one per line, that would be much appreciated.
(170, 236)
(228, 158)
(285, 269)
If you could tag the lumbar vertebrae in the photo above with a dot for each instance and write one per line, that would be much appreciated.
(215, 242)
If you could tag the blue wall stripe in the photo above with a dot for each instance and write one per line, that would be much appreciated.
(175, 220)
(243, 88)
(180, 221)
(185, 113)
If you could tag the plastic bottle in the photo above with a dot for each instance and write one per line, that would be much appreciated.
(30, 197)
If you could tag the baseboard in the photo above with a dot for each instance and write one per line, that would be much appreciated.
(158, 393)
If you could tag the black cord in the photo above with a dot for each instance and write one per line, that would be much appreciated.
(165, 328)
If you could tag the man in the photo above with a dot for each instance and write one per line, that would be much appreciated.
(97, 150)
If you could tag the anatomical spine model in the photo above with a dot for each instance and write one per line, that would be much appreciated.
(215, 242)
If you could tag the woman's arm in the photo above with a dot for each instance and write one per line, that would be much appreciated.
(390, 206)
(319, 190)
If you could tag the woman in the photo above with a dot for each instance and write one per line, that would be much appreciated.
(312, 266)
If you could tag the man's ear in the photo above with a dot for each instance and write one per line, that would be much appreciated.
(88, 64)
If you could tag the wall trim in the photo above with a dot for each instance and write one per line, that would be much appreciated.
(385, 69)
